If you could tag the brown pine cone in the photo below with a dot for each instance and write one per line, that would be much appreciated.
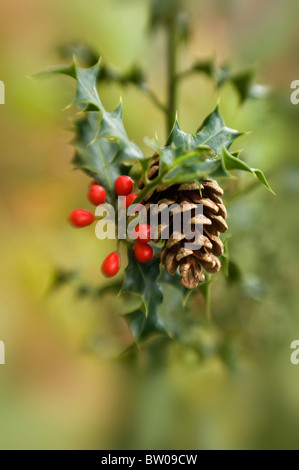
(174, 254)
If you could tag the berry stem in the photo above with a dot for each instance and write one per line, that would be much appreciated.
(171, 72)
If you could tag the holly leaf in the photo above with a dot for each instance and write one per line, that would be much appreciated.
(205, 154)
(207, 67)
(175, 281)
(244, 81)
(112, 128)
(187, 158)
(94, 156)
(213, 133)
(246, 86)
(108, 138)
(231, 162)
(86, 95)
(143, 327)
(82, 51)
(234, 273)
(141, 280)
(178, 165)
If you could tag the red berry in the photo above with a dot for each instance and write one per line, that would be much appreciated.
(111, 265)
(93, 183)
(129, 200)
(143, 253)
(142, 233)
(97, 195)
(123, 185)
(81, 218)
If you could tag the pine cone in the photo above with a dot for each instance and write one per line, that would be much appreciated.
(174, 254)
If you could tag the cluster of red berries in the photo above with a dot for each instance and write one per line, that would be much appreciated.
(97, 196)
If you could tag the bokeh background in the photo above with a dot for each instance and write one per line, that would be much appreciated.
(229, 383)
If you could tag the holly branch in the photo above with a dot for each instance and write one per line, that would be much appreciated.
(105, 152)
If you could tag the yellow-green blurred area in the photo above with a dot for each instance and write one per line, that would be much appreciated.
(230, 383)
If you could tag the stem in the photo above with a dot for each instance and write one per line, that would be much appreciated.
(208, 302)
(185, 73)
(147, 188)
(113, 74)
(171, 71)
(206, 290)
(155, 100)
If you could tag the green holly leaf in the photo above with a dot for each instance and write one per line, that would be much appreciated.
(205, 289)
(94, 156)
(234, 273)
(175, 281)
(196, 172)
(108, 137)
(231, 162)
(178, 165)
(207, 67)
(244, 81)
(205, 154)
(113, 129)
(83, 52)
(87, 97)
(141, 280)
(246, 86)
(142, 327)
(213, 133)
(187, 158)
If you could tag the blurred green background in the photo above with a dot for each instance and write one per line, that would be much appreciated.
(229, 384)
